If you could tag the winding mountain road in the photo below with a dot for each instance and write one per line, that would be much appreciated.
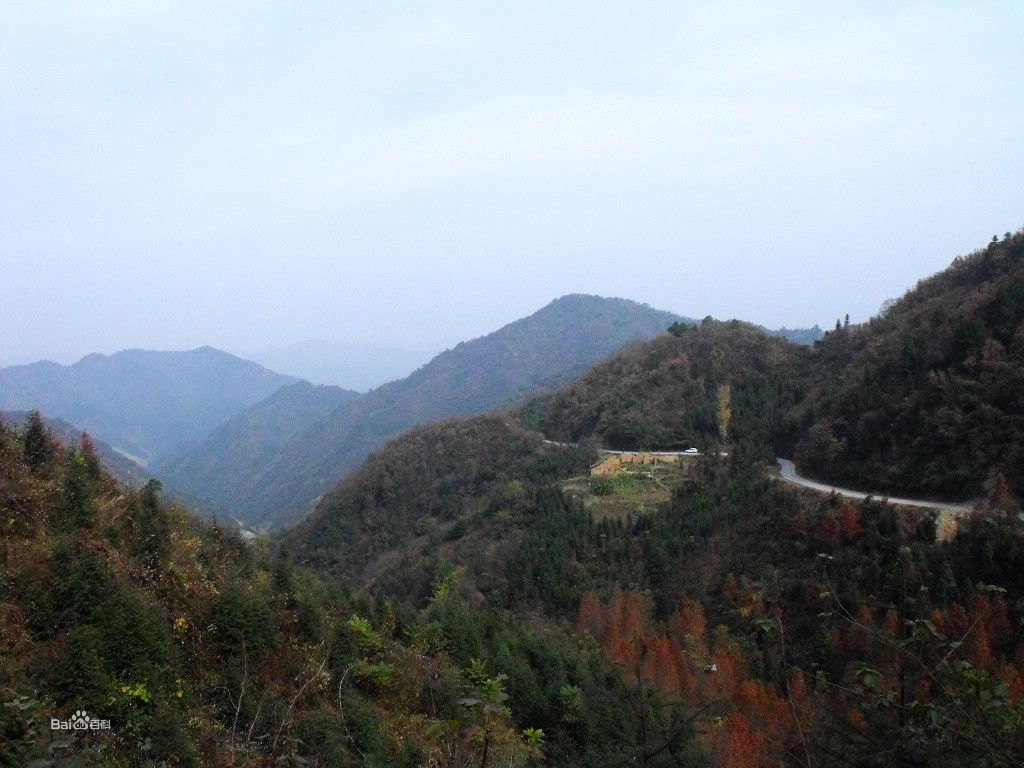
(788, 473)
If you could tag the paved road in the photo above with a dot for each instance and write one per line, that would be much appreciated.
(789, 474)
(560, 445)
(638, 450)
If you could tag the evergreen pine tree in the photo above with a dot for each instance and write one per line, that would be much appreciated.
(39, 448)
(78, 502)
(153, 524)
(92, 460)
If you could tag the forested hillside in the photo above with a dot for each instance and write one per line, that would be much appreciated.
(785, 627)
(186, 646)
(929, 396)
(117, 464)
(700, 385)
(417, 498)
(547, 349)
(149, 404)
(926, 399)
(473, 596)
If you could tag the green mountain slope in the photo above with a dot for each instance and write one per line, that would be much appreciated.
(146, 403)
(773, 618)
(473, 489)
(928, 397)
(121, 467)
(210, 471)
(548, 348)
(730, 386)
(421, 491)
(670, 392)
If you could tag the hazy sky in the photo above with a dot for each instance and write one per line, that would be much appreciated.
(250, 173)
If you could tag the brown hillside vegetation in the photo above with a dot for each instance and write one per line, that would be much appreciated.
(802, 661)
(198, 649)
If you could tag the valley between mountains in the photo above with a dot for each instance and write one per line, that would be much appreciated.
(447, 575)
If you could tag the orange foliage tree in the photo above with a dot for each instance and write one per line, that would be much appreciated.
(740, 747)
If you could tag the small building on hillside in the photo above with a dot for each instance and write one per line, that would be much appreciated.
(613, 463)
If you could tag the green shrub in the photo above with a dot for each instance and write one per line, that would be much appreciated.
(244, 621)
(80, 678)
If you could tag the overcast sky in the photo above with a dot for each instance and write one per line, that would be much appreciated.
(413, 174)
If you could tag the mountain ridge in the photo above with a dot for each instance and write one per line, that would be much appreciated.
(251, 437)
(146, 402)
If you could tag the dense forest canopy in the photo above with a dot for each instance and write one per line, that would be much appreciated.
(674, 392)
(929, 396)
(197, 648)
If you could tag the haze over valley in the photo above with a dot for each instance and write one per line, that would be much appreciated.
(452, 385)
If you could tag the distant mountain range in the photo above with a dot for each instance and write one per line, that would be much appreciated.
(147, 404)
(225, 466)
(219, 429)
(806, 336)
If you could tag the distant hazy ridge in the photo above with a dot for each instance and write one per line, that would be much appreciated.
(146, 403)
